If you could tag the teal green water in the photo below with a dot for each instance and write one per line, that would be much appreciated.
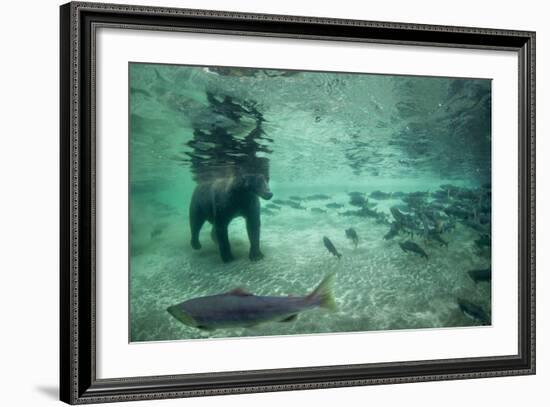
(312, 133)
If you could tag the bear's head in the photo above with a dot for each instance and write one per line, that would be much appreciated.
(257, 184)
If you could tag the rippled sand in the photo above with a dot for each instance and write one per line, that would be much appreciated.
(377, 285)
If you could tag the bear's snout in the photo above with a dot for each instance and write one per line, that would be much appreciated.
(257, 184)
(267, 195)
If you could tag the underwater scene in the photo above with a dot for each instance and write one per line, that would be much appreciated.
(285, 202)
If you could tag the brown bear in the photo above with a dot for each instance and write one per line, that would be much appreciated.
(220, 201)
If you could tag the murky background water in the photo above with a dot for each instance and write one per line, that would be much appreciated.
(340, 151)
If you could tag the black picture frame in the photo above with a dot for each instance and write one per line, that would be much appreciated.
(78, 382)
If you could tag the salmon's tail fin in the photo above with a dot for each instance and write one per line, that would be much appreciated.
(322, 295)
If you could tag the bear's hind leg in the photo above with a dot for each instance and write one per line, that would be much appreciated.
(213, 235)
(196, 223)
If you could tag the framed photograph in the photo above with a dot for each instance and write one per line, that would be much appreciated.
(255, 203)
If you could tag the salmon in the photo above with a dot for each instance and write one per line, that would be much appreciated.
(330, 247)
(238, 308)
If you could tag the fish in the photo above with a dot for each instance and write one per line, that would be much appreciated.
(267, 211)
(397, 195)
(334, 205)
(404, 221)
(473, 311)
(137, 91)
(483, 241)
(330, 247)
(409, 246)
(357, 200)
(239, 308)
(439, 194)
(425, 226)
(448, 226)
(317, 197)
(457, 211)
(295, 205)
(475, 225)
(379, 195)
(394, 230)
(419, 194)
(366, 212)
(158, 230)
(352, 235)
(434, 235)
(480, 275)
(317, 210)
(451, 190)
(397, 215)
(349, 213)
(286, 202)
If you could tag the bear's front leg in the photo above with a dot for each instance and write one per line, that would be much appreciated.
(223, 242)
(253, 230)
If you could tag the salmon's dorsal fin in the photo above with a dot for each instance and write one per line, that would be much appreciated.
(290, 318)
(241, 292)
